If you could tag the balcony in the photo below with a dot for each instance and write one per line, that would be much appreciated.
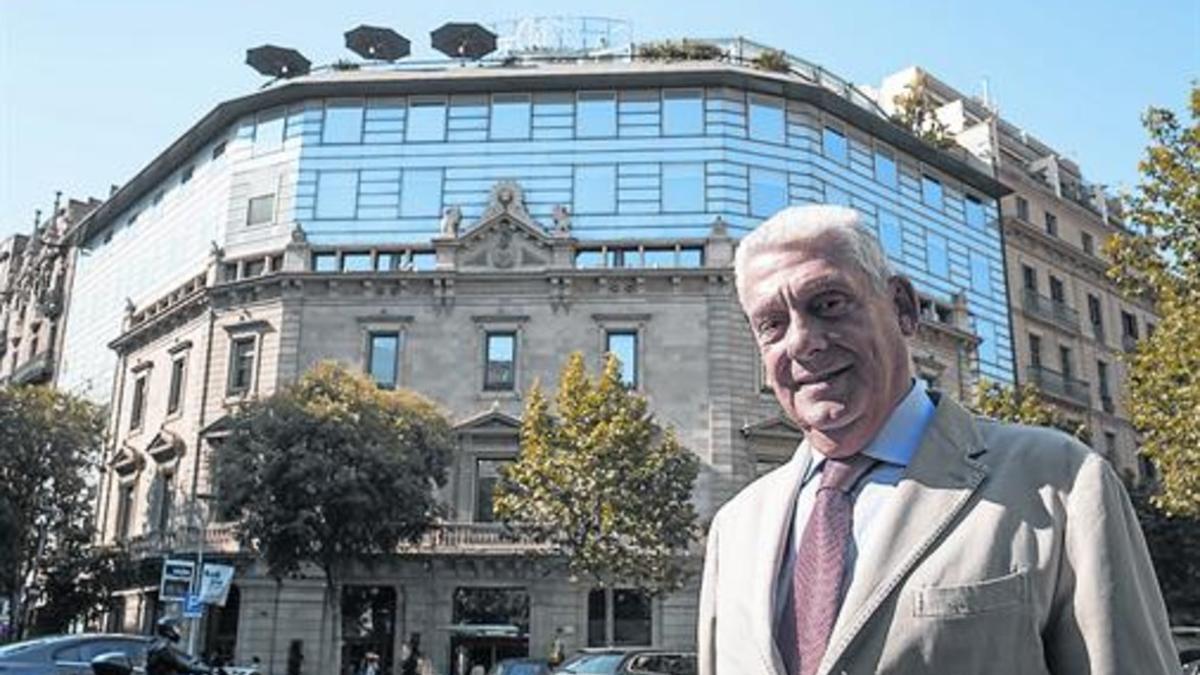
(1129, 342)
(474, 538)
(1060, 386)
(1053, 311)
(218, 538)
(37, 370)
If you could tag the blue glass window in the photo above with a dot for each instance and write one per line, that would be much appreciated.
(500, 357)
(975, 215)
(325, 262)
(766, 120)
(595, 189)
(691, 257)
(343, 123)
(337, 194)
(988, 349)
(981, 278)
(682, 187)
(657, 258)
(383, 359)
(683, 113)
(356, 262)
(935, 255)
(890, 234)
(833, 144)
(426, 120)
(421, 192)
(931, 191)
(511, 115)
(423, 262)
(768, 192)
(268, 132)
(596, 115)
(589, 259)
(885, 168)
(623, 345)
(835, 195)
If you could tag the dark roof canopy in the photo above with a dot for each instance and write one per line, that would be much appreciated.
(463, 40)
(377, 42)
(277, 61)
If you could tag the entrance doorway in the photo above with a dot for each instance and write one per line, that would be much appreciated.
(490, 624)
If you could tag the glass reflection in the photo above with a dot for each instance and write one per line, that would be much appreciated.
(268, 132)
(596, 115)
(421, 192)
(510, 116)
(682, 187)
(356, 262)
(426, 121)
(766, 120)
(595, 189)
(885, 168)
(343, 124)
(975, 215)
(768, 192)
(682, 113)
(931, 191)
(385, 351)
(890, 234)
(981, 278)
(337, 194)
(833, 144)
(935, 255)
(623, 345)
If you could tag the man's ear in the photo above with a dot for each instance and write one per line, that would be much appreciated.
(904, 301)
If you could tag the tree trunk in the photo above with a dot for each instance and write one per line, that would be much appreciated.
(274, 625)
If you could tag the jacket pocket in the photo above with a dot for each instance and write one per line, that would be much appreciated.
(991, 595)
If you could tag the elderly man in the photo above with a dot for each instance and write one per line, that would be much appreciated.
(906, 535)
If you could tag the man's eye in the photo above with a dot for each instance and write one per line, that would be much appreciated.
(768, 326)
(832, 304)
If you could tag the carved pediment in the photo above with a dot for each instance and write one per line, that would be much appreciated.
(506, 236)
(127, 461)
(219, 428)
(778, 428)
(490, 422)
(165, 447)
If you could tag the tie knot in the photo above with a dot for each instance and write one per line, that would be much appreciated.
(842, 473)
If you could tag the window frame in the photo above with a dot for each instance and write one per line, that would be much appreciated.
(398, 334)
(635, 367)
(830, 130)
(137, 403)
(514, 334)
(253, 339)
(927, 183)
(270, 215)
(176, 385)
(582, 100)
(673, 166)
(512, 98)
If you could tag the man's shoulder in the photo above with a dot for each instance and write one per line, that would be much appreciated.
(775, 484)
(1041, 453)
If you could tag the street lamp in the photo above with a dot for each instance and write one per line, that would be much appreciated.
(198, 514)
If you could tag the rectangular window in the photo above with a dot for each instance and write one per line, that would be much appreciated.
(261, 209)
(683, 113)
(632, 617)
(175, 393)
(337, 194)
(500, 360)
(1029, 275)
(166, 499)
(1064, 355)
(1102, 378)
(426, 121)
(185, 174)
(343, 123)
(1058, 291)
(885, 168)
(421, 192)
(1035, 350)
(241, 365)
(325, 262)
(1096, 316)
(768, 192)
(935, 255)
(981, 276)
(255, 268)
(975, 214)
(218, 150)
(1023, 209)
(384, 359)
(596, 115)
(1051, 224)
(890, 234)
(137, 409)
(931, 191)
(595, 189)
(833, 145)
(124, 510)
(356, 262)
(623, 344)
(1088, 244)
(511, 116)
(1129, 327)
(268, 132)
(767, 121)
(683, 187)
(487, 475)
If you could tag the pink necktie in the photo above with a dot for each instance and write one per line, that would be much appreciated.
(820, 563)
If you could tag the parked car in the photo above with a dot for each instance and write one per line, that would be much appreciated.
(69, 654)
(630, 661)
(521, 667)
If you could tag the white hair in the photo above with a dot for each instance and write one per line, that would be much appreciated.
(799, 226)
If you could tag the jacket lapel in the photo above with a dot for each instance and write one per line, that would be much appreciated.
(937, 484)
(772, 536)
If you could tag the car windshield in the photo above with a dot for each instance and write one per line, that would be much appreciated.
(519, 669)
(9, 650)
(593, 663)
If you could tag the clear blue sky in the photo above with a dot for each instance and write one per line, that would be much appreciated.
(91, 91)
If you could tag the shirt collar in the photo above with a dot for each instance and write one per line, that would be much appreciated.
(898, 440)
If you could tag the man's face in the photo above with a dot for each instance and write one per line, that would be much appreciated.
(833, 345)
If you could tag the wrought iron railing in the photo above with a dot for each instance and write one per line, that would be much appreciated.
(1063, 386)
(1050, 309)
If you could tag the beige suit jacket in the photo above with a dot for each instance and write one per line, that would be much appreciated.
(1004, 549)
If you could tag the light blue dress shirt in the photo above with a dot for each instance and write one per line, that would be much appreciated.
(894, 447)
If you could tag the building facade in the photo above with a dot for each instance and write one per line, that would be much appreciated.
(460, 231)
(1071, 325)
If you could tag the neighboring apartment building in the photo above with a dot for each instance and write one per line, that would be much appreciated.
(1071, 326)
(459, 231)
(35, 278)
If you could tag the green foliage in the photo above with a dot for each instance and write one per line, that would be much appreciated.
(602, 483)
(684, 50)
(78, 584)
(1023, 405)
(49, 448)
(332, 469)
(916, 112)
(774, 60)
(1160, 261)
(1174, 543)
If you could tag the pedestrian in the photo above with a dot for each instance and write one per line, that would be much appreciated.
(412, 657)
(370, 664)
(907, 535)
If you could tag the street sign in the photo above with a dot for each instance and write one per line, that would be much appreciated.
(192, 607)
(176, 580)
(215, 581)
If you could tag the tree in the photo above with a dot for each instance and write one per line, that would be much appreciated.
(49, 446)
(1174, 544)
(1023, 405)
(916, 112)
(78, 584)
(330, 471)
(1160, 261)
(603, 484)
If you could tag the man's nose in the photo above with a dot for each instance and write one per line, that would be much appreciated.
(804, 338)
